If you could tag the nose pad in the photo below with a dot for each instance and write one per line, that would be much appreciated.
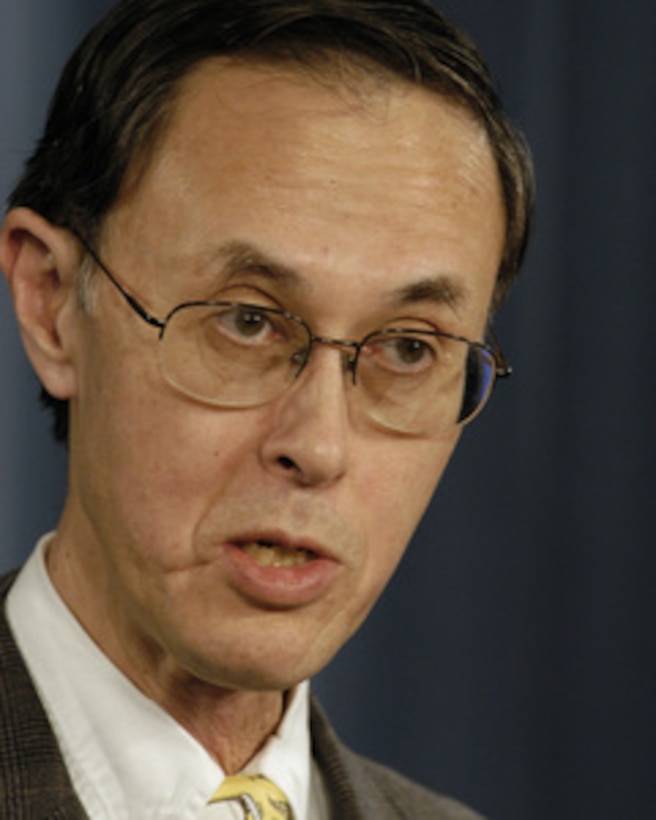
(350, 365)
(349, 351)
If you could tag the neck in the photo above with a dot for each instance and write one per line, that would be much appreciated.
(231, 725)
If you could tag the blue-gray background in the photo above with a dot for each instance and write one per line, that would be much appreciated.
(512, 660)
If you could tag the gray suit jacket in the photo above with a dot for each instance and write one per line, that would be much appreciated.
(34, 783)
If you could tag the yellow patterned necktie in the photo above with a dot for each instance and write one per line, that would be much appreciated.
(258, 796)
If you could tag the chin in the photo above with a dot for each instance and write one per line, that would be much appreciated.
(250, 671)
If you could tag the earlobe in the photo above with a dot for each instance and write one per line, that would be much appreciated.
(39, 261)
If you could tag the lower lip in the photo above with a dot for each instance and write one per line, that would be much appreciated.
(278, 587)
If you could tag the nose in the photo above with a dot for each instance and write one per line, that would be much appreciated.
(307, 439)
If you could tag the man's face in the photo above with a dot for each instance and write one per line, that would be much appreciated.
(359, 200)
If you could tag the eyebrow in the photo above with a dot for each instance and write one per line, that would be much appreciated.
(244, 257)
(239, 256)
(441, 289)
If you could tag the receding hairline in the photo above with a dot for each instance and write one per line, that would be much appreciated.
(350, 75)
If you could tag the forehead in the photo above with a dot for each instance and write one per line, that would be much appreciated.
(245, 107)
(366, 174)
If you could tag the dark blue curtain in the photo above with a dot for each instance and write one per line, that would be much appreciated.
(511, 662)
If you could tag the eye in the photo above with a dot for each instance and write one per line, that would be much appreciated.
(246, 323)
(410, 351)
(403, 353)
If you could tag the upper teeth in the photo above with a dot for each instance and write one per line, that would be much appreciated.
(275, 555)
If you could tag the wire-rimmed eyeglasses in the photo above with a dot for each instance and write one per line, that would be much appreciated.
(241, 354)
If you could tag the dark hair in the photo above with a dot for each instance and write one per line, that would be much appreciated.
(119, 87)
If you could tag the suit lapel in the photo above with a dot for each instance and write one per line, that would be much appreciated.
(353, 794)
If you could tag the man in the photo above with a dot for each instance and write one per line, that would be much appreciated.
(253, 260)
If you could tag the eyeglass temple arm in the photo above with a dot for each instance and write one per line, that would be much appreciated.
(138, 309)
(503, 366)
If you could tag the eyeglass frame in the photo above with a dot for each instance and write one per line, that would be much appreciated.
(502, 370)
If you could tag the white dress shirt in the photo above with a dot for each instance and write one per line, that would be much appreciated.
(128, 759)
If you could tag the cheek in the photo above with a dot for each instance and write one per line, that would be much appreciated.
(183, 458)
(411, 478)
(154, 463)
(388, 501)
(397, 496)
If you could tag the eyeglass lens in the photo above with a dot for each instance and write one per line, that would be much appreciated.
(235, 355)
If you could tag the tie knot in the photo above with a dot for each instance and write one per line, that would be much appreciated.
(258, 796)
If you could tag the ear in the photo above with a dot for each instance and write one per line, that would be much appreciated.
(40, 262)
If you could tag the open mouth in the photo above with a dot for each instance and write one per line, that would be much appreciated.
(270, 554)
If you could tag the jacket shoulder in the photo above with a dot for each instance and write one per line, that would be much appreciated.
(409, 798)
(361, 789)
